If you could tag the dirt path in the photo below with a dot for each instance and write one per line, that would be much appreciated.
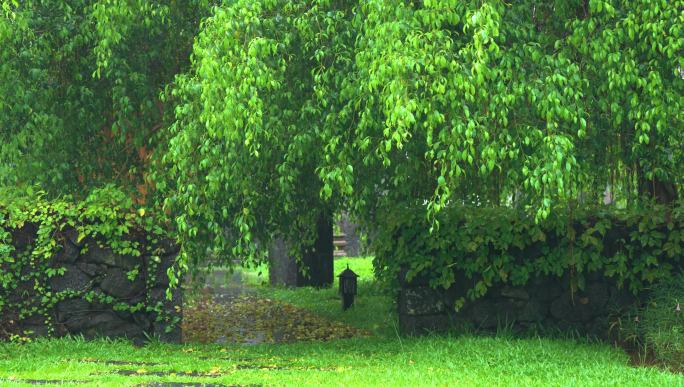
(229, 311)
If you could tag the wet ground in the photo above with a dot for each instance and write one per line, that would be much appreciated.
(230, 311)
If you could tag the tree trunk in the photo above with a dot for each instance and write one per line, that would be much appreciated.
(282, 267)
(318, 259)
(662, 192)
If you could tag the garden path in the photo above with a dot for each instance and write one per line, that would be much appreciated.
(229, 310)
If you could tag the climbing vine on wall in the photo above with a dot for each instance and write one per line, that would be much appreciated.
(34, 233)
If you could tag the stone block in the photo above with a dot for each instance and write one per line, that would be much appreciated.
(282, 268)
(419, 280)
(168, 247)
(73, 279)
(107, 324)
(532, 311)
(24, 237)
(489, 313)
(421, 301)
(77, 323)
(546, 289)
(582, 306)
(68, 253)
(90, 269)
(159, 268)
(173, 311)
(71, 235)
(515, 292)
(483, 313)
(172, 335)
(597, 295)
(420, 325)
(116, 283)
(105, 256)
(69, 308)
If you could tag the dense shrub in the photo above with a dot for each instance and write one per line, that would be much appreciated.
(662, 322)
(504, 245)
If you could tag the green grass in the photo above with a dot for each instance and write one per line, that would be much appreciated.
(382, 359)
(373, 310)
(463, 360)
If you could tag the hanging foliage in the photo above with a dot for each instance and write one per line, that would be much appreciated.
(276, 113)
(396, 104)
(79, 88)
(241, 164)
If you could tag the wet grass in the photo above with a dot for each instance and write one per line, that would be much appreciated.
(381, 359)
(373, 309)
(462, 360)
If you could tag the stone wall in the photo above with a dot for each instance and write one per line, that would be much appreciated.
(94, 281)
(546, 302)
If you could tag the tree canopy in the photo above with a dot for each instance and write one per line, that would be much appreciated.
(288, 110)
(403, 103)
(80, 85)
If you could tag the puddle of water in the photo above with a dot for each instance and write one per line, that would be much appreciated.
(43, 382)
(166, 373)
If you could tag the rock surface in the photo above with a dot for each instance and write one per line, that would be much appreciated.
(97, 273)
(544, 301)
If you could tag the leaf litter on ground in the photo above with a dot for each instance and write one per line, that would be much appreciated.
(248, 319)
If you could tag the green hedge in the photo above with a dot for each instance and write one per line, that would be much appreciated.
(504, 245)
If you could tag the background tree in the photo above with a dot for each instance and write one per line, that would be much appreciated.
(247, 140)
(395, 104)
(287, 112)
(80, 84)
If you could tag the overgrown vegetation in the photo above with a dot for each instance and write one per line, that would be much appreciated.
(502, 245)
(379, 359)
(656, 330)
(33, 233)
(276, 113)
(377, 106)
(248, 121)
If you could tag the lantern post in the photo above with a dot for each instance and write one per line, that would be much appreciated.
(348, 287)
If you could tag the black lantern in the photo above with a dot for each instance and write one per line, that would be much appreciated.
(347, 287)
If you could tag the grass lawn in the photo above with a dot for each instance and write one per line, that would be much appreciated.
(372, 311)
(380, 359)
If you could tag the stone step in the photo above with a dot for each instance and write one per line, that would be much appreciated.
(340, 242)
(339, 253)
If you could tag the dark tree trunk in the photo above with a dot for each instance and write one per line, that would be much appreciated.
(318, 259)
(662, 192)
